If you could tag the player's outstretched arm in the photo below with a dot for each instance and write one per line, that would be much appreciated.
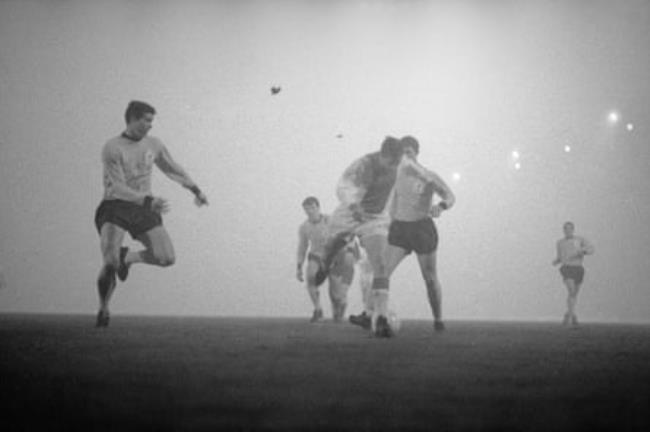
(558, 255)
(586, 247)
(303, 243)
(174, 171)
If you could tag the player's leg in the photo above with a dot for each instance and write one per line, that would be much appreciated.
(341, 227)
(365, 285)
(341, 277)
(313, 266)
(572, 292)
(428, 267)
(158, 251)
(376, 245)
(111, 237)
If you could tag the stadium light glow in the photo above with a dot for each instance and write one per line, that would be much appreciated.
(613, 117)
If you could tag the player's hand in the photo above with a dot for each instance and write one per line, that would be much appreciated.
(435, 211)
(299, 275)
(200, 199)
(159, 205)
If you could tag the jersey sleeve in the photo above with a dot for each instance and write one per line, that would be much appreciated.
(170, 167)
(303, 244)
(353, 184)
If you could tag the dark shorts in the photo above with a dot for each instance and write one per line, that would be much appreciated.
(129, 216)
(339, 266)
(419, 236)
(576, 273)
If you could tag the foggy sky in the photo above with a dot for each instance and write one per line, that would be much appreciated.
(473, 80)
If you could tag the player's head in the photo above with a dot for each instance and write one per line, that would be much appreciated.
(391, 151)
(139, 118)
(568, 227)
(411, 146)
(311, 207)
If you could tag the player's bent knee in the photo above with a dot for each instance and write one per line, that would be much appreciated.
(165, 260)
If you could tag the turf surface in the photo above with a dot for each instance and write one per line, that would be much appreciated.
(165, 373)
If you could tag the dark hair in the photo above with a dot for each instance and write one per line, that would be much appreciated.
(391, 148)
(310, 201)
(137, 109)
(409, 141)
(569, 223)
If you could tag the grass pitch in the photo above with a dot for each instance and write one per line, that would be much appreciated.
(177, 374)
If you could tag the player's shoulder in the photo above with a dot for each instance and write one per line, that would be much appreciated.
(154, 141)
(111, 146)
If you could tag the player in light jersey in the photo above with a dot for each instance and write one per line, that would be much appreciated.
(570, 253)
(363, 191)
(412, 228)
(312, 236)
(128, 204)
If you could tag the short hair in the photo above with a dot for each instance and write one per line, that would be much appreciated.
(410, 141)
(569, 223)
(137, 109)
(311, 200)
(391, 148)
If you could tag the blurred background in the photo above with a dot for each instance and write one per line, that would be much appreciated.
(534, 112)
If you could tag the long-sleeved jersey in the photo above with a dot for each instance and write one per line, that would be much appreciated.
(570, 251)
(414, 190)
(368, 183)
(128, 165)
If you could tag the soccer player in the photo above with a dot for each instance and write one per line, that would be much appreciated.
(129, 206)
(412, 228)
(363, 191)
(312, 236)
(570, 253)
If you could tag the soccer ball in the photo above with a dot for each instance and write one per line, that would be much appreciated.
(394, 322)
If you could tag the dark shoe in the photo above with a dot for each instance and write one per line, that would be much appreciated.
(438, 326)
(362, 320)
(123, 270)
(103, 317)
(382, 328)
(332, 248)
(317, 315)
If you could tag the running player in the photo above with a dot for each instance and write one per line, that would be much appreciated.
(129, 206)
(363, 191)
(570, 253)
(312, 236)
(412, 228)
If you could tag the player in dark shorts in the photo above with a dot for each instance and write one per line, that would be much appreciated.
(129, 206)
(412, 228)
(570, 253)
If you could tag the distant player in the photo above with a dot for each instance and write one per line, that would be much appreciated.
(363, 191)
(412, 228)
(128, 204)
(312, 236)
(570, 253)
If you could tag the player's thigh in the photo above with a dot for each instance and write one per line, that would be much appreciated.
(428, 265)
(376, 246)
(311, 270)
(158, 242)
(111, 238)
(394, 256)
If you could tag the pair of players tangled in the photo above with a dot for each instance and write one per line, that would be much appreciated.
(385, 213)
